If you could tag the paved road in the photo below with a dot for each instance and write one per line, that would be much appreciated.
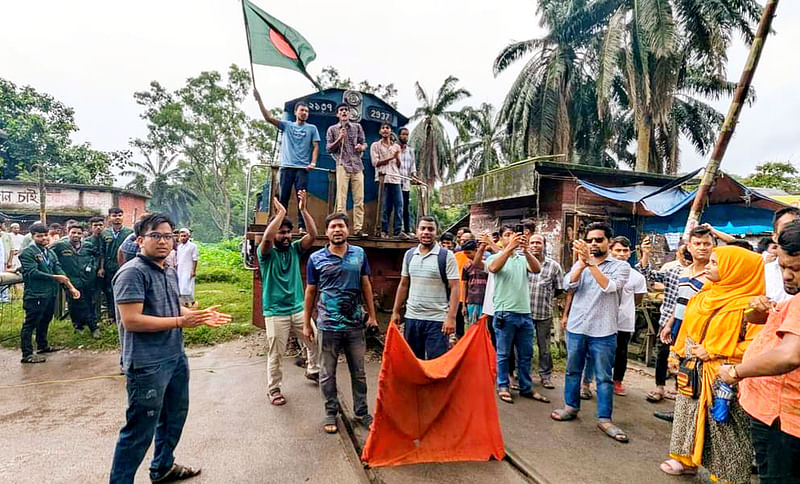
(65, 433)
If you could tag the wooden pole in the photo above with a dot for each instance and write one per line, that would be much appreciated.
(725, 135)
(42, 195)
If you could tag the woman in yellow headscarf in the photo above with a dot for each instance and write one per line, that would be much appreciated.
(714, 332)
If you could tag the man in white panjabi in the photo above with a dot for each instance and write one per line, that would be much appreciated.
(187, 266)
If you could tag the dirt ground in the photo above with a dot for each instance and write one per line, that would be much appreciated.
(59, 423)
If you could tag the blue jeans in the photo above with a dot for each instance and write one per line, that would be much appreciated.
(602, 351)
(353, 343)
(426, 338)
(392, 199)
(289, 178)
(474, 312)
(158, 401)
(514, 329)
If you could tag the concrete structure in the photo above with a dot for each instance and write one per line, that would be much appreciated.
(20, 200)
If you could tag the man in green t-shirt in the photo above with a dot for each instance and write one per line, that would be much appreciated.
(111, 238)
(282, 292)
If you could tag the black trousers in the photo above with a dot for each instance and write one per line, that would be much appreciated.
(108, 290)
(661, 364)
(460, 321)
(81, 311)
(621, 358)
(777, 453)
(406, 212)
(38, 314)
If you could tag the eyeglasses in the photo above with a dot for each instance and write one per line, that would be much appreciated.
(159, 236)
(589, 240)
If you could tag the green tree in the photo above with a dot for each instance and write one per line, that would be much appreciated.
(204, 123)
(37, 130)
(481, 144)
(659, 48)
(330, 78)
(775, 174)
(429, 138)
(159, 176)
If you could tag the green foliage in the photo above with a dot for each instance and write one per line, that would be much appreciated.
(330, 78)
(481, 145)
(446, 217)
(222, 262)
(775, 174)
(36, 130)
(204, 125)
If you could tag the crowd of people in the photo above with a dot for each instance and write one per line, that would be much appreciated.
(83, 258)
(727, 318)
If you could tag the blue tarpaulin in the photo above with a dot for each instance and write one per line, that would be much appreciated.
(662, 201)
(731, 219)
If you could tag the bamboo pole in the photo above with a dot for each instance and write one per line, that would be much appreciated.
(739, 97)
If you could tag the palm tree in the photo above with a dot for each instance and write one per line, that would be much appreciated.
(429, 138)
(163, 181)
(481, 144)
(649, 44)
(543, 107)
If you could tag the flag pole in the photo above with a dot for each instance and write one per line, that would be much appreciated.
(249, 47)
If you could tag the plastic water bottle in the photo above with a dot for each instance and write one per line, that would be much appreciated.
(721, 407)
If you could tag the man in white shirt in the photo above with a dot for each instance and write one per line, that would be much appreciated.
(632, 294)
(187, 266)
(16, 248)
(772, 271)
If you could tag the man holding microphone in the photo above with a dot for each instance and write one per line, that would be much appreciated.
(345, 141)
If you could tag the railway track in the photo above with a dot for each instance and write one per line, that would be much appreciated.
(354, 436)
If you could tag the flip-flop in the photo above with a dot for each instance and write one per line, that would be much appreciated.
(675, 468)
(563, 415)
(671, 395)
(654, 396)
(178, 473)
(613, 431)
(586, 394)
(535, 396)
(505, 396)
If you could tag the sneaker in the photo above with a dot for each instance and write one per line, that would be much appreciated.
(96, 334)
(33, 359)
(619, 389)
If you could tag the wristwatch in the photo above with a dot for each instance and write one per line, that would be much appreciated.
(733, 373)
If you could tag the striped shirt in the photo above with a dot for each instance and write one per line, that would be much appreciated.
(595, 310)
(408, 166)
(543, 286)
(671, 279)
(687, 288)
(427, 294)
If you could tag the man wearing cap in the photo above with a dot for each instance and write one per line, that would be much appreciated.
(345, 142)
(187, 266)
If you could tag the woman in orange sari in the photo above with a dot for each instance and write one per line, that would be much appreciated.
(714, 332)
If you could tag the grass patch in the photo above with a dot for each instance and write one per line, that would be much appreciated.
(233, 298)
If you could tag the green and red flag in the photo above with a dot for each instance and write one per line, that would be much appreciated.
(273, 43)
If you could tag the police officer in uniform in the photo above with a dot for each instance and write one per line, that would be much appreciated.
(42, 276)
(112, 238)
(78, 258)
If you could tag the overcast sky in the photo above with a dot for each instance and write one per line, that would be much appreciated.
(93, 55)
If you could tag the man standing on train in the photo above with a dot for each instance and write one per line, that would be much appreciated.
(299, 152)
(345, 141)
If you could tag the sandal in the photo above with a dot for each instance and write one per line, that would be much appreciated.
(671, 395)
(546, 383)
(563, 415)
(654, 396)
(33, 359)
(178, 473)
(586, 393)
(535, 396)
(505, 396)
(276, 398)
(675, 468)
(330, 428)
(613, 431)
(50, 349)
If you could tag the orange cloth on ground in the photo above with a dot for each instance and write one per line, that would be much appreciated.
(741, 275)
(461, 261)
(440, 410)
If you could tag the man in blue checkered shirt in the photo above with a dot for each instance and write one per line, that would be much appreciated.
(544, 286)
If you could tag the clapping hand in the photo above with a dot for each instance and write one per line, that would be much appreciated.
(301, 200)
(209, 317)
(278, 207)
(581, 249)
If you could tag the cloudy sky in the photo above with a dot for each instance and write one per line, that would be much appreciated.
(93, 55)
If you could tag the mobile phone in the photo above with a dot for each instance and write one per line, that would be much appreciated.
(519, 229)
(652, 239)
